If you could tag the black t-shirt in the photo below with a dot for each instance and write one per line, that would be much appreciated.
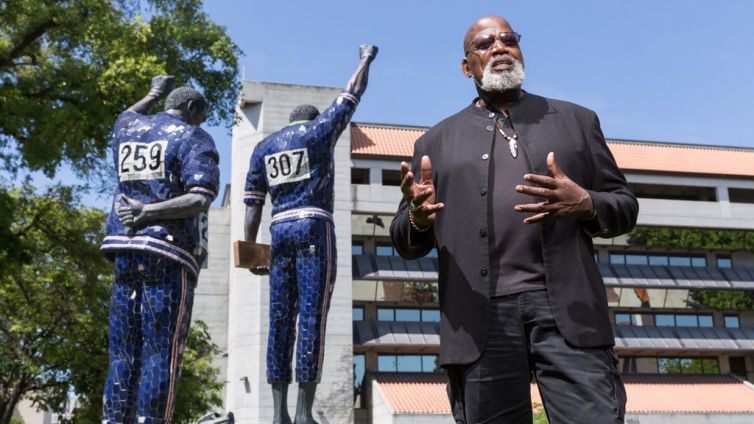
(515, 248)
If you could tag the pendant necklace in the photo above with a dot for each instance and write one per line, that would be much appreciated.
(512, 143)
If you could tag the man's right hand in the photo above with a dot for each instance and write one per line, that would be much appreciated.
(420, 196)
(161, 85)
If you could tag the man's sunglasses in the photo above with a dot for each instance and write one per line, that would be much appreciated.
(485, 41)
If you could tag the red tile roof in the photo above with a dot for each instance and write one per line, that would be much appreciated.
(391, 141)
(414, 393)
(422, 393)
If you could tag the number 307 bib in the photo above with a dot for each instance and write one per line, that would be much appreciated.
(287, 166)
(141, 161)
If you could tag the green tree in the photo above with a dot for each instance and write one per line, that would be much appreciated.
(53, 301)
(706, 239)
(53, 313)
(69, 67)
(198, 390)
(539, 415)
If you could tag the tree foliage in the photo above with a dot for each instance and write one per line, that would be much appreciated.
(69, 67)
(707, 239)
(198, 390)
(53, 301)
(693, 238)
(54, 292)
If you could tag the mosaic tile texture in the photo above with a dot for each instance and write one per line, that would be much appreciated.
(309, 181)
(301, 282)
(159, 157)
(150, 312)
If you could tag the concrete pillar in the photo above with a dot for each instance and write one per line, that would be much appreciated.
(264, 109)
(375, 176)
(721, 192)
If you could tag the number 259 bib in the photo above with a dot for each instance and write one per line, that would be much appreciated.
(141, 161)
(287, 166)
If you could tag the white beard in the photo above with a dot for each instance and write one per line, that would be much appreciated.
(502, 81)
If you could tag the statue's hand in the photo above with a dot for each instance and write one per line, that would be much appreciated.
(368, 51)
(131, 211)
(161, 85)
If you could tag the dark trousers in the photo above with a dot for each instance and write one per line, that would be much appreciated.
(577, 385)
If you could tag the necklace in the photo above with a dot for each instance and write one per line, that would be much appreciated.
(512, 143)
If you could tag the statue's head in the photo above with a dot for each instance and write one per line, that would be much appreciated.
(303, 113)
(188, 103)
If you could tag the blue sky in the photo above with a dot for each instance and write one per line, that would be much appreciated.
(678, 71)
(670, 70)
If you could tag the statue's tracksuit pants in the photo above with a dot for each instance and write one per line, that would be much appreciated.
(150, 312)
(302, 273)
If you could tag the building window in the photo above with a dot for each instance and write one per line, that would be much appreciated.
(674, 192)
(408, 314)
(741, 195)
(359, 176)
(385, 249)
(617, 259)
(731, 321)
(705, 321)
(738, 366)
(632, 259)
(684, 320)
(724, 261)
(620, 258)
(358, 313)
(407, 363)
(668, 365)
(357, 248)
(664, 320)
(624, 320)
(658, 260)
(433, 315)
(359, 368)
(688, 366)
(391, 177)
(385, 314)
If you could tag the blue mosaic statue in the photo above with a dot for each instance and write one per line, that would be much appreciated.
(295, 165)
(167, 171)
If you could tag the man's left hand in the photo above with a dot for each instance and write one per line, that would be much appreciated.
(563, 197)
(131, 211)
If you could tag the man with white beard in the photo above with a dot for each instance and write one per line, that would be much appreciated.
(521, 296)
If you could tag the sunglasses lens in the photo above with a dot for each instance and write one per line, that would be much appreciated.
(483, 42)
(509, 38)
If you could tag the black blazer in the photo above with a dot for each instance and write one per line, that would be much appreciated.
(460, 173)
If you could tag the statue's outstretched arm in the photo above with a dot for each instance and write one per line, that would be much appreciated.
(358, 82)
(161, 86)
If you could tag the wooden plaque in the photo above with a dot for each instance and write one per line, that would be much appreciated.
(251, 255)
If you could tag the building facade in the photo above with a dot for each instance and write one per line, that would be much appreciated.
(679, 288)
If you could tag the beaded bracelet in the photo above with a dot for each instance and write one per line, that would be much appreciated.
(416, 227)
